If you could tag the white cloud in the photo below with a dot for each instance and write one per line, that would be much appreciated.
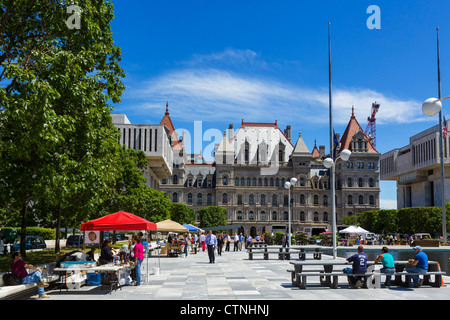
(208, 93)
(388, 204)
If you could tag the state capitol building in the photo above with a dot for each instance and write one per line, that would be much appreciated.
(251, 165)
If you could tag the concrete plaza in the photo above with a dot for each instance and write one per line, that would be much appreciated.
(234, 277)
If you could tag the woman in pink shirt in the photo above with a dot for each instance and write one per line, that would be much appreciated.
(139, 256)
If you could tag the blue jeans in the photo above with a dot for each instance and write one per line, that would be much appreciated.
(388, 271)
(34, 277)
(416, 279)
(138, 271)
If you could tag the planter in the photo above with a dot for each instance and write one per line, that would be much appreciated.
(426, 243)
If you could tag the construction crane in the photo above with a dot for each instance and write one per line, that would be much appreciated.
(372, 125)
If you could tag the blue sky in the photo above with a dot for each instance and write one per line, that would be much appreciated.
(219, 62)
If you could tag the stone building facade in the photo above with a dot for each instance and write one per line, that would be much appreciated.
(251, 166)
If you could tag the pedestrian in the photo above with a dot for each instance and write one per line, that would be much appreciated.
(169, 243)
(203, 241)
(241, 241)
(420, 265)
(388, 264)
(18, 267)
(236, 242)
(220, 240)
(283, 242)
(139, 256)
(359, 267)
(227, 247)
(211, 242)
(186, 244)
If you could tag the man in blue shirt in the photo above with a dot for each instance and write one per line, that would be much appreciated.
(359, 261)
(211, 242)
(420, 265)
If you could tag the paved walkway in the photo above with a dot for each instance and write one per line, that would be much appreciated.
(234, 277)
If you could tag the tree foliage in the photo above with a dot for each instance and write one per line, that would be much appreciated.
(212, 216)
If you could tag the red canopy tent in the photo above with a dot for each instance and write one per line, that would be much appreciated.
(118, 221)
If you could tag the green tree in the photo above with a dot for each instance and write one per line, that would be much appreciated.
(212, 216)
(182, 214)
(56, 83)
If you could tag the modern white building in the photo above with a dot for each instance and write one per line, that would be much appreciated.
(416, 169)
(154, 140)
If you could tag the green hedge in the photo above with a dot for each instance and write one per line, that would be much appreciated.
(46, 233)
(407, 220)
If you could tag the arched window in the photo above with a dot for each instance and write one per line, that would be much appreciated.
(325, 216)
(274, 215)
(371, 183)
(199, 198)
(209, 199)
(263, 199)
(251, 200)
(349, 182)
(189, 198)
(372, 200)
(285, 215)
(274, 200)
(175, 197)
(350, 200)
(236, 182)
(316, 216)
(175, 179)
(286, 200)
(316, 200)
(262, 215)
(251, 215)
(224, 198)
(360, 199)
(302, 199)
(239, 215)
(360, 182)
(325, 200)
(254, 182)
(242, 182)
(225, 180)
(239, 201)
(302, 216)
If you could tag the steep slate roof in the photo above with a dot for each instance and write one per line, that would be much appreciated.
(353, 128)
(166, 121)
(300, 147)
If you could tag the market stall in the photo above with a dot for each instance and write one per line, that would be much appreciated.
(119, 221)
(172, 226)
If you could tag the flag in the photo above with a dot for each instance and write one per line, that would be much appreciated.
(444, 128)
(335, 145)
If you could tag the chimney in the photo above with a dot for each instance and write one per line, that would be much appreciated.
(322, 151)
(230, 132)
(287, 132)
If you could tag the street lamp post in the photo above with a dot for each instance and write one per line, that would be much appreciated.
(288, 185)
(330, 164)
(432, 107)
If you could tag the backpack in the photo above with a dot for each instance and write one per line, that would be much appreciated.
(10, 279)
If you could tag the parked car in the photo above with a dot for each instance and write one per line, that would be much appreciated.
(31, 242)
(74, 241)
(422, 236)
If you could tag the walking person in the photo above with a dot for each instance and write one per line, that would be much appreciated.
(236, 242)
(241, 241)
(203, 241)
(139, 256)
(211, 242)
(220, 240)
(388, 264)
(227, 247)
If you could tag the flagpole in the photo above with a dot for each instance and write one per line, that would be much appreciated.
(441, 139)
(332, 174)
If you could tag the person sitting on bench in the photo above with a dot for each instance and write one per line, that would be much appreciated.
(359, 261)
(420, 265)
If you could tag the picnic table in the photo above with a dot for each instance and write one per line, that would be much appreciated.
(107, 269)
(284, 253)
(328, 274)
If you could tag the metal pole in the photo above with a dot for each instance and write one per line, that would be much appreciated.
(441, 139)
(332, 184)
(289, 224)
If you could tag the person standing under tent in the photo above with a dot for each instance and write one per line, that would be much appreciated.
(138, 251)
